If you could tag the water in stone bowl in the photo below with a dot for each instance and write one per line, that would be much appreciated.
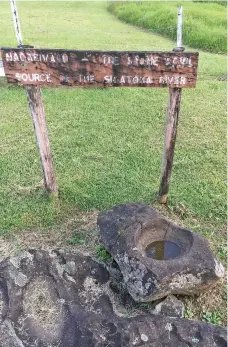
(163, 250)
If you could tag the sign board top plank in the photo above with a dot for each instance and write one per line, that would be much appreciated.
(56, 67)
(62, 50)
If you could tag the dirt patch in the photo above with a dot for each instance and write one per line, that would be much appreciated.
(79, 232)
(222, 77)
(213, 300)
(43, 310)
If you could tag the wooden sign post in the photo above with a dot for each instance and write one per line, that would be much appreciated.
(172, 117)
(34, 96)
(59, 67)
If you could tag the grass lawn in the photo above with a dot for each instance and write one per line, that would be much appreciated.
(205, 23)
(107, 143)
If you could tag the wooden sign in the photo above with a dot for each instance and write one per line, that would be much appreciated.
(56, 67)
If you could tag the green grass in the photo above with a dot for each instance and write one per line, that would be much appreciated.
(220, 2)
(102, 254)
(77, 239)
(204, 23)
(107, 143)
(212, 317)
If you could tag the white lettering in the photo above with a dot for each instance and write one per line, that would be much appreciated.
(178, 61)
(64, 79)
(108, 79)
(9, 57)
(129, 61)
(91, 78)
(65, 58)
(182, 80)
(172, 80)
(175, 60)
(168, 62)
(129, 79)
(43, 77)
(161, 80)
(176, 80)
(33, 77)
(18, 76)
(29, 57)
(186, 61)
(44, 57)
(136, 59)
(122, 80)
(22, 56)
(150, 60)
(35, 57)
(36, 77)
(48, 78)
(15, 57)
(24, 77)
(53, 59)
(106, 59)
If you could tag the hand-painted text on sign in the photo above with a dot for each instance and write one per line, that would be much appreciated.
(30, 66)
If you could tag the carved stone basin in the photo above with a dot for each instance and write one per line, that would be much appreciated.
(162, 240)
(156, 256)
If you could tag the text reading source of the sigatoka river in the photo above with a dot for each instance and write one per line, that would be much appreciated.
(55, 67)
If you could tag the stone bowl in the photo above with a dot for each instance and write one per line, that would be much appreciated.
(166, 241)
(156, 256)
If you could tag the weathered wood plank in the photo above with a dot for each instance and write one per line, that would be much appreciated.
(52, 67)
(34, 96)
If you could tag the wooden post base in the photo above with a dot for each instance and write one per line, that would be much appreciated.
(162, 199)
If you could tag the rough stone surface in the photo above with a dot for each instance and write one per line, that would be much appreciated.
(126, 231)
(66, 301)
(170, 306)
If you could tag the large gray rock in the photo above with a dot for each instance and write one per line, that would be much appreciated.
(58, 299)
(127, 230)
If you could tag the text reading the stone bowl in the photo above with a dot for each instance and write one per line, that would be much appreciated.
(30, 66)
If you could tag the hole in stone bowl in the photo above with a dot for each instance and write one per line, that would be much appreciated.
(162, 240)
(163, 250)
